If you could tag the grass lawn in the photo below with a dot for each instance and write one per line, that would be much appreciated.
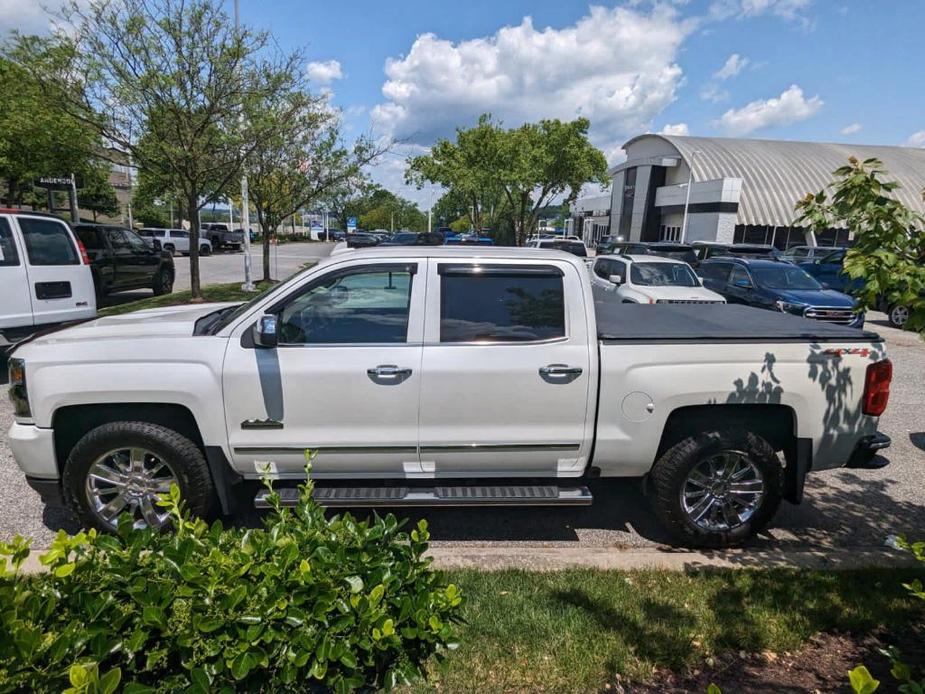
(576, 630)
(212, 292)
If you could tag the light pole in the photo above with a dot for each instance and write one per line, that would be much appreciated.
(245, 211)
(687, 200)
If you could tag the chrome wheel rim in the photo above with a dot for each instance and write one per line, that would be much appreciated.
(129, 480)
(723, 491)
(899, 315)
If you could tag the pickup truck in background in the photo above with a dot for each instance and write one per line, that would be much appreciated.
(440, 376)
(221, 236)
(121, 260)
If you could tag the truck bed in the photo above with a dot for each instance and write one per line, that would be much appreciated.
(618, 322)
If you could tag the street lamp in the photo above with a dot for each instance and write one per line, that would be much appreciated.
(687, 199)
(245, 207)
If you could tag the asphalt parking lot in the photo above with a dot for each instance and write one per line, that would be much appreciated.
(842, 508)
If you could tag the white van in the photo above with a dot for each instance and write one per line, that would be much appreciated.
(45, 275)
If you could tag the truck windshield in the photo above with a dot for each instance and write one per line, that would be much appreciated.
(663, 275)
(784, 277)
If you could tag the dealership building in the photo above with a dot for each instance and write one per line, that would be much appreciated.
(742, 191)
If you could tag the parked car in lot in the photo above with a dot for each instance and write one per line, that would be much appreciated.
(605, 244)
(710, 249)
(413, 238)
(445, 376)
(175, 240)
(220, 236)
(648, 279)
(804, 254)
(362, 240)
(121, 260)
(573, 247)
(830, 269)
(45, 276)
(664, 249)
(779, 286)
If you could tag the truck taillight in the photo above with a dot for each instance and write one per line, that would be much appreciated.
(84, 258)
(877, 387)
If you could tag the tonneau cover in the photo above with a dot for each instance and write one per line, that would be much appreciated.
(715, 323)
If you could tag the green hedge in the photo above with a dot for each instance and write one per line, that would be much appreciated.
(304, 603)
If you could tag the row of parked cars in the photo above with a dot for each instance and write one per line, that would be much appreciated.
(51, 272)
(381, 237)
(804, 280)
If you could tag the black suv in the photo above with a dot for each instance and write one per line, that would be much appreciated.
(121, 260)
(664, 249)
(712, 249)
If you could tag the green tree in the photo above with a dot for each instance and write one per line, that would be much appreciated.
(530, 165)
(301, 161)
(95, 192)
(166, 82)
(36, 140)
(888, 254)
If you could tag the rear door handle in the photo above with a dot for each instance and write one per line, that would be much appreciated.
(560, 370)
(388, 371)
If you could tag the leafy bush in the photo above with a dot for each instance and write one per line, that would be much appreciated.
(303, 603)
(860, 678)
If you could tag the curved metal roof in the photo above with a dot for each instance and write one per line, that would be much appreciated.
(777, 173)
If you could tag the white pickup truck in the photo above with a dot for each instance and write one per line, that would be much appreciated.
(446, 376)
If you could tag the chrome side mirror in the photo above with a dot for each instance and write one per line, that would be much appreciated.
(616, 279)
(265, 334)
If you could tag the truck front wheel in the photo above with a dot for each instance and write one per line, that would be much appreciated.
(123, 467)
(717, 488)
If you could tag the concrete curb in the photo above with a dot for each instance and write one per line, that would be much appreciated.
(559, 558)
(620, 559)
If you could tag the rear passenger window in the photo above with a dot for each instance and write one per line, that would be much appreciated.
(90, 238)
(48, 242)
(717, 272)
(501, 303)
(8, 255)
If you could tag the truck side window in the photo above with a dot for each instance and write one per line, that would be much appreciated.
(501, 303)
(48, 242)
(8, 255)
(362, 306)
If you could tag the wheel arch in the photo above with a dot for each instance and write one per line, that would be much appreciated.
(775, 423)
(71, 422)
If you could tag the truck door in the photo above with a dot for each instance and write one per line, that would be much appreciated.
(59, 284)
(344, 380)
(14, 285)
(507, 369)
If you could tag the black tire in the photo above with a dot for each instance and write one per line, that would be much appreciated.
(170, 248)
(205, 249)
(670, 473)
(163, 282)
(216, 243)
(182, 455)
(897, 316)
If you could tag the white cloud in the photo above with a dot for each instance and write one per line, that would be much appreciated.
(712, 92)
(675, 129)
(791, 10)
(28, 16)
(615, 66)
(324, 72)
(851, 129)
(790, 107)
(916, 139)
(733, 66)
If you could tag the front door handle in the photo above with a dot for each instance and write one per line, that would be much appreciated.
(560, 370)
(388, 371)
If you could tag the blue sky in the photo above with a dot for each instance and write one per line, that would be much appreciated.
(828, 70)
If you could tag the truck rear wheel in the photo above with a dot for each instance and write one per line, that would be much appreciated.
(123, 467)
(717, 488)
(163, 282)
